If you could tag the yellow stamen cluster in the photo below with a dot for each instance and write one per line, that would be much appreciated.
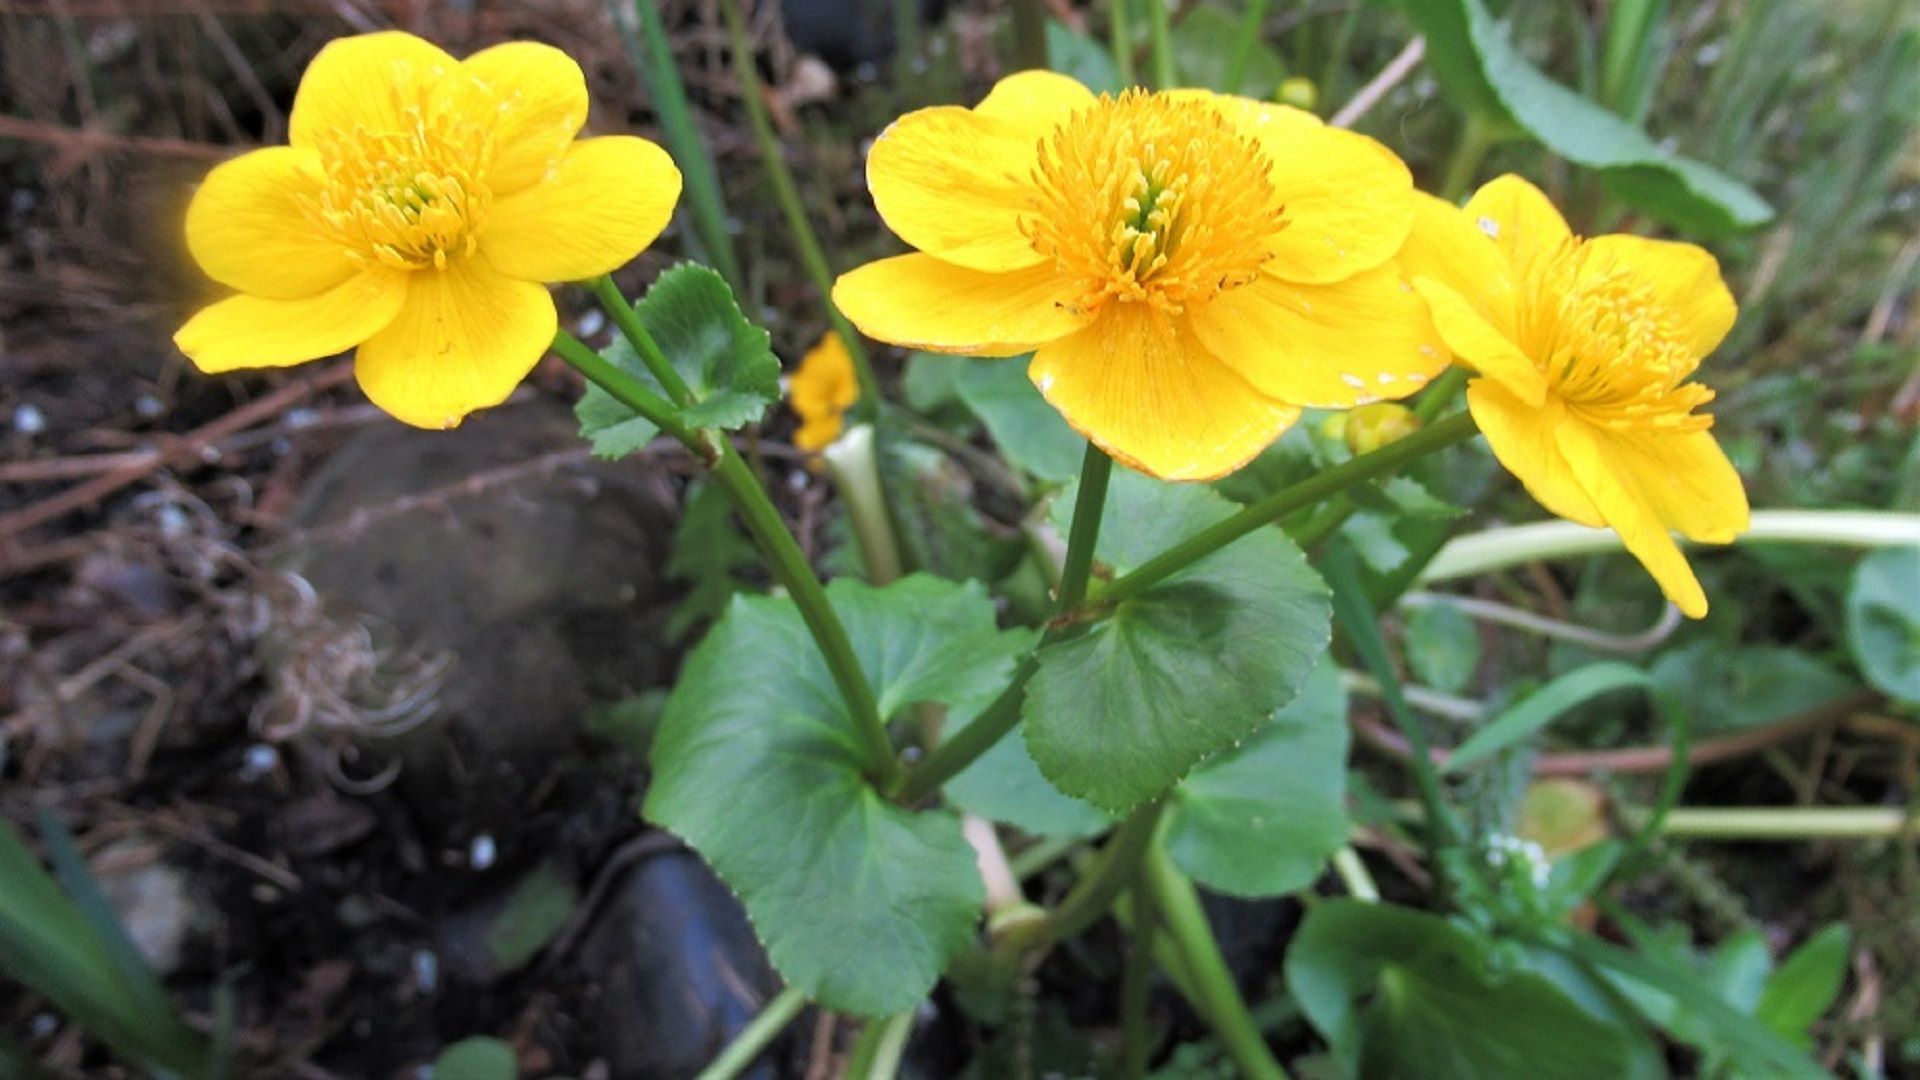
(408, 199)
(1609, 348)
(1147, 198)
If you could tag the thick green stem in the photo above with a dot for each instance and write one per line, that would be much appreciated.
(1456, 428)
(776, 543)
(746, 1046)
(946, 761)
(1117, 866)
(1216, 995)
(1250, 26)
(876, 1054)
(1476, 138)
(626, 390)
(1120, 37)
(1160, 36)
(1749, 823)
(812, 256)
(856, 475)
(1096, 469)
(1479, 553)
(1136, 982)
(652, 54)
(790, 568)
(627, 320)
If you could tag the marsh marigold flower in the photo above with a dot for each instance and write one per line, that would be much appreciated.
(422, 202)
(821, 391)
(1584, 349)
(1188, 269)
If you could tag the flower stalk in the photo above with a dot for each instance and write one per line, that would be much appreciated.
(770, 533)
(755, 1037)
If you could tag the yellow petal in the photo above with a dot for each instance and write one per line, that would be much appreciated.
(1446, 246)
(1480, 344)
(952, 182)
(1139, 385)
(923, 303)
(365, 81)
(604, 203)
(1590, 454)
(1521, 219)
(1686, 479)
(1685, 278)
(1522, 439)
(1348, 199)
(1034, 101)
(539, 98)
(249, 332)
(465, 338)
(246, 228)
(1324, 346)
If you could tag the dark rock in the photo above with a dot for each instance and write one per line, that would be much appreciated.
(680, 972)
(847, 33)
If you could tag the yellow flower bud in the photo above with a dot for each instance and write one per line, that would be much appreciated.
(1371, 427)
(1299, 92)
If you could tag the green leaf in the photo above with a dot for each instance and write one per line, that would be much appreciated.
(53, 943)
(539, 906)
(1883, 620)
(725, 360)
(1004, 785)
(1802, 989)
(1263, 818)
(1400, 993)
(1204, 41)
(478, 1058)
(1442, 646)
(1188, 668)
(861, 903)
(1725, 688)
(1540, 708)
(1081, 58)
(1028, 430)
(1487, 77)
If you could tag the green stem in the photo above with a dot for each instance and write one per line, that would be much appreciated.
(1096, 469)
(1440, 394)
(876, 1054)
(790, 568)
(947, 760)
(777, 545)
(1250, 25)
(906, 43)
(653, 57)
(1216, 996)
(1790, 823)
(1030, 34)
(628, 321)
(1136, 982)
(1120, 38)
(1323, 485)
(753, 1038)
(1476, 138)
(1353, 874)
(1494, 549)
(812, 257)
(1160, 34)
(1117, 866)
(626, 390)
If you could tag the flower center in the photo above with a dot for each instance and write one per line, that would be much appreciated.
(1608, 347)
(409, 199)
(1150, 198)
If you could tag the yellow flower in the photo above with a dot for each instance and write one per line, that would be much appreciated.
(821, 391)
(420, 206)
(1584, 348)
(1188, 269)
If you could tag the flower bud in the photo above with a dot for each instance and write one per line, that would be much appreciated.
(1371, 427)
(1299, 92)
